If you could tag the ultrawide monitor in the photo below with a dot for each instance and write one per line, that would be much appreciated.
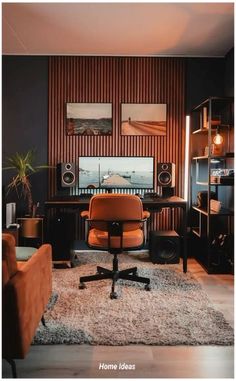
(116, 172)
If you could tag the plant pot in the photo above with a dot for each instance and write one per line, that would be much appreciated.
(31, 227)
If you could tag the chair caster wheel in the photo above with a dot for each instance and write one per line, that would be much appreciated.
(113, 295)
(82, 286)
(147, 287)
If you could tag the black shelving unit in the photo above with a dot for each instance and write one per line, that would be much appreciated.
(212, 173)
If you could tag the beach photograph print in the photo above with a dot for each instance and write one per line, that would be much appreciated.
(89, 118)
(143, 119)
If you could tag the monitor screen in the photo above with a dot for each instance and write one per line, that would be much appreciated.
(116, 172)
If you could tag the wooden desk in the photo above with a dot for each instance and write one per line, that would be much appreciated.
(78, 204)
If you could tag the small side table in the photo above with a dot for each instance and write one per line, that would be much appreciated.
(31, 228)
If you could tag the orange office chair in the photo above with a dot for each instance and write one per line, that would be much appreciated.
(115, 223)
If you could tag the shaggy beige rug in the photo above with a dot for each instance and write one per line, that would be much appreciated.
(176, 311)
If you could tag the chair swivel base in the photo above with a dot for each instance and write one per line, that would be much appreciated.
(115, 274)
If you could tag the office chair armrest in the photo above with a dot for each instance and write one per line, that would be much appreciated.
(84, 214)
(146, 214)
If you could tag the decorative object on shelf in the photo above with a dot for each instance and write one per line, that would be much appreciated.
(222, 176)
(89, 119)
(23, 166)
(143, 119)
(202, 198)
(215, 205)
(206, 151)
(204, 115)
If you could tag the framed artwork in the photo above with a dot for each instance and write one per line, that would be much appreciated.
(89, 119)
(143, 119)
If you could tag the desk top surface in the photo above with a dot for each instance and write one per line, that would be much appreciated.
(78, 200)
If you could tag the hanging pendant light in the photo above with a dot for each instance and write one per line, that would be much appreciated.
(218, 138)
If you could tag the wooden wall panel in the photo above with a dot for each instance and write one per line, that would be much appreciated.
(118, 80)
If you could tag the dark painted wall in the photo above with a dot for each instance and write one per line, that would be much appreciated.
(25, 116)
(229, 73)
(204, 78)
(209, 77)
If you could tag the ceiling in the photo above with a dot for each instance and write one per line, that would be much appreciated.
(149, 29)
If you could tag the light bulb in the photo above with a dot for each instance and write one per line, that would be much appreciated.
(218, 139)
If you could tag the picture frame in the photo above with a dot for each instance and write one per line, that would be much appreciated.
(143, 119)
(89, 119)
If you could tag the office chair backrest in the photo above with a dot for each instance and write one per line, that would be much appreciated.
(116, 207)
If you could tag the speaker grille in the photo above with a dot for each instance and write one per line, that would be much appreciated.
(68, 178)
(167, 250)
(164, 178)
(164, 246)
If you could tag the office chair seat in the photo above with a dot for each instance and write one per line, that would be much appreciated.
(115, 223)
(98, 238)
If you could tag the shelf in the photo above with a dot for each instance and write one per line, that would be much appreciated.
(196, 231)
(221, 185)
(223, 157)
(200, 210)
(222, 212)
(200, 131)
(200, 157)
(216, 99)
(205, 183)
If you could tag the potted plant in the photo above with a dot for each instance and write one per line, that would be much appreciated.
(23, 166)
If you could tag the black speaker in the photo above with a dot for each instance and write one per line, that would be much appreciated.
(164, 246)
(66, 175)
(61, 234)
(166, 175)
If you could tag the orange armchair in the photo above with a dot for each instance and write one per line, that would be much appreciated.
(115, 223)
(26, 288)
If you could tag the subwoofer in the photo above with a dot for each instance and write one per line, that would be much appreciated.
(61, 233)
(66, 175)
(166, 175)
(164, 247)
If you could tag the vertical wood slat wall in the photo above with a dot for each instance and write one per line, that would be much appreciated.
(118, 80)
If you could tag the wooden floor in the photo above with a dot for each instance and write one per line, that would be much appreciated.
(83, 361)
